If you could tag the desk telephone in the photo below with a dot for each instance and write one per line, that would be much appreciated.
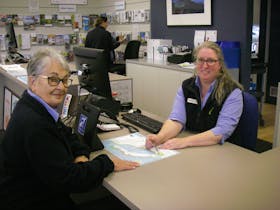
(15, 57)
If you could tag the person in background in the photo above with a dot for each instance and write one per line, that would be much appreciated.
(43, 161)
(209, 104)
(100, 38)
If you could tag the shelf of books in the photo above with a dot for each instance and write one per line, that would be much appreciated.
(33, 31)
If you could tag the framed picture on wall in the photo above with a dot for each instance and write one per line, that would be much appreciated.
(188, 12)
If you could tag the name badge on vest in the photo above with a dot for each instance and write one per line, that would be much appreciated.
(192, 101)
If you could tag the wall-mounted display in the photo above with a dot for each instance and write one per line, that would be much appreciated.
(188, 12)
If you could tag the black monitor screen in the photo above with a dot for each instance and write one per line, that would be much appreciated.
(11, 36)
(94, 68)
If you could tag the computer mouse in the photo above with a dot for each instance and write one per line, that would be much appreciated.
(134, 110)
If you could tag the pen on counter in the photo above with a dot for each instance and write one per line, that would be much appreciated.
(156, 148)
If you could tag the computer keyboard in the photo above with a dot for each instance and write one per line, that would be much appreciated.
(143, 121)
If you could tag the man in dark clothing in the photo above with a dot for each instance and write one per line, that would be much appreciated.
(43, 161)
(101, 39)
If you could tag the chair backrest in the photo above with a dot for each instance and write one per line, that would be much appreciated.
(132, 49)
(248, 123)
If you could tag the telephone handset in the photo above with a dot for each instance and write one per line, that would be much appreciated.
(16, 57)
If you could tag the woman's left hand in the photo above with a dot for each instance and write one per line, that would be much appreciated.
(175, 143)
(81, 158)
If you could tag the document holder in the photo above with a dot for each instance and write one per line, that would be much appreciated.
(85, 126)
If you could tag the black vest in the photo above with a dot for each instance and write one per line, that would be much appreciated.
(201, 120)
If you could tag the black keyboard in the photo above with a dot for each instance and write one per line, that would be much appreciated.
(143, 121)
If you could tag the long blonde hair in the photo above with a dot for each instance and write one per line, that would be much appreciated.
(225, 83)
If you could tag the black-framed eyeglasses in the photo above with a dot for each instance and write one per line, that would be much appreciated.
(54, 81)
(209, 62)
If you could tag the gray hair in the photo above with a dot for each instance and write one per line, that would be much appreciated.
(42, 58)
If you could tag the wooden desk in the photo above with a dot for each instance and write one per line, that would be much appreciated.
(213, 177)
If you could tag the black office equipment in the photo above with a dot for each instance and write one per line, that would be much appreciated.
(13, 55)
(110, 107)
(93, 70)
(85, 126)
(143, 121)
(131, 52)
(180, 58)
(93, 76)
(10, 35)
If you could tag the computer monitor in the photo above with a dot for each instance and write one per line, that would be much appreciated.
(93, 68)
(11, 37)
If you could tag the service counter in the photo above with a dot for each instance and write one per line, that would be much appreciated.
(155, 84)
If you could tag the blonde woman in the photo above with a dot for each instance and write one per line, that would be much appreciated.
(209, 104)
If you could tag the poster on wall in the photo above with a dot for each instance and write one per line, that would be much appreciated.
(10, 101)
(188, 12)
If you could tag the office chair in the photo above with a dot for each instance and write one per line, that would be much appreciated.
(131, 51)
(248, 123)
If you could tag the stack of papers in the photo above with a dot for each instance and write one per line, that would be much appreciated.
(17, 71)
(14, 69)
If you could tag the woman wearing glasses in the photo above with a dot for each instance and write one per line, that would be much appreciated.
(43, 161)
(208, 104)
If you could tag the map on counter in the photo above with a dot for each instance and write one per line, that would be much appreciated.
(132, 147)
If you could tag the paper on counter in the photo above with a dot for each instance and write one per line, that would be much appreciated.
(14, 69)
(132, 147)
(187, 65)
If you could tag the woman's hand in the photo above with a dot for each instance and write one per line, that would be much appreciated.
(175, 143)
(121, 38)
(152, 140)
(120, 165)
(81, 158)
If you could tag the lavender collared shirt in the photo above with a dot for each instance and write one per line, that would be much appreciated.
(53, 112)
(229, 115)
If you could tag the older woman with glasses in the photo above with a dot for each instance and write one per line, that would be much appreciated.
(43, 161)
(208, 104)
